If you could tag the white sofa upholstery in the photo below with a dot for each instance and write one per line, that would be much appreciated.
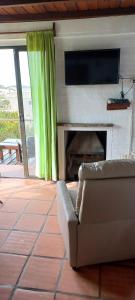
(98, 219)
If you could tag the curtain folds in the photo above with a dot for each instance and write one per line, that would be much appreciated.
(41, 59)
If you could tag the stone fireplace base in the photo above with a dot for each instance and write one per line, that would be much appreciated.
(63, 129)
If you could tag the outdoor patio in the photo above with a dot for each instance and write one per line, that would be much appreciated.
(33, 262)
(10, 167)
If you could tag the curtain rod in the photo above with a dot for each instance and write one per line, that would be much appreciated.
(23, 32)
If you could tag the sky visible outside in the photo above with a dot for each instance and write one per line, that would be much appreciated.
(7, 72)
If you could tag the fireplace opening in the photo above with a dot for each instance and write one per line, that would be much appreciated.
(83, 146)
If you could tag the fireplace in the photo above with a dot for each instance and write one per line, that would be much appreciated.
(67, 132)
(83, 146)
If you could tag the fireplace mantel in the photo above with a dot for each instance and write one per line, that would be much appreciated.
(65, 127)
(85, 124)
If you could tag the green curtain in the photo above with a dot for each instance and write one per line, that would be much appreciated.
(41, 59)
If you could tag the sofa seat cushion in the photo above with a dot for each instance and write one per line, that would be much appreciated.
(119, 168)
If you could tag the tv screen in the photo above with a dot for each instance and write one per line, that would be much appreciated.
(92, 67)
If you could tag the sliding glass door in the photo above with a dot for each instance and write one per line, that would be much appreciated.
(27, 112)
(17, 157)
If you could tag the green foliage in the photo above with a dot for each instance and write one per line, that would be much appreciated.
(9, 128)
(9, 115)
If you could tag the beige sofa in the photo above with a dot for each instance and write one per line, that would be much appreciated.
(97, 219)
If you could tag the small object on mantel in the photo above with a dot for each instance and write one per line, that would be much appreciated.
(113, 104)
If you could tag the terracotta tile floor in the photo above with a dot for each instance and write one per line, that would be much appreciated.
(33, 263)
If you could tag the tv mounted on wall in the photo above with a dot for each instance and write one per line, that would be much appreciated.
(92, 67)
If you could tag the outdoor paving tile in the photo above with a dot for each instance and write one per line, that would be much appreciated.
(3, 235)
(49, 245)
(7, 220)
(30, 222)
(19, 242)
(14, 205)
(5, 293)
(52, 225)
(117, 283)
(10, 268)
(84, 282)
(40, 273)
(53, 210)
(12, 170)
(38, 207)
(32, 295)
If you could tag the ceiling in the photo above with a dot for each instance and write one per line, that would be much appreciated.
(32, 10)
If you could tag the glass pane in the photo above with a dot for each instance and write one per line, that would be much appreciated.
(28, 115)
(10, 140)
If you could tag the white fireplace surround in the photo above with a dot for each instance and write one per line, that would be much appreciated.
(62, 138)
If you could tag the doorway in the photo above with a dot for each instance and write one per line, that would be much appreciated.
(17, 155)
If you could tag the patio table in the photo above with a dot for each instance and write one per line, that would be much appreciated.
(11, 144)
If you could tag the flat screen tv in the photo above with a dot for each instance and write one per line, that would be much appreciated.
(92, 67)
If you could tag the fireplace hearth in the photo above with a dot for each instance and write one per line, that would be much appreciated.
(83, 146)
(66, 132)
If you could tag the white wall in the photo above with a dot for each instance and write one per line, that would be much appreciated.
(87, 104)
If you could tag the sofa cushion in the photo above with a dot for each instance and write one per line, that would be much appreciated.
(119, 168)
(107, 169)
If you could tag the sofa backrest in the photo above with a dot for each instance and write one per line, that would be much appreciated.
(106, 191)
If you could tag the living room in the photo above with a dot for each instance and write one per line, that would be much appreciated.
(91, 100)
(33, 259)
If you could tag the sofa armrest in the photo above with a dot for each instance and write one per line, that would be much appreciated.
(68, 221)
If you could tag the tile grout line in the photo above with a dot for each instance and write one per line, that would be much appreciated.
(26, 213)
(27, 199)
(78, 295)
(24, 266)
(47, 216)
(60, 274)
(20, 215)
(59, 292)
(12, 228)
(29, 256)
(58, 278)
(35, 255)
(14, 288)
(31, 231)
